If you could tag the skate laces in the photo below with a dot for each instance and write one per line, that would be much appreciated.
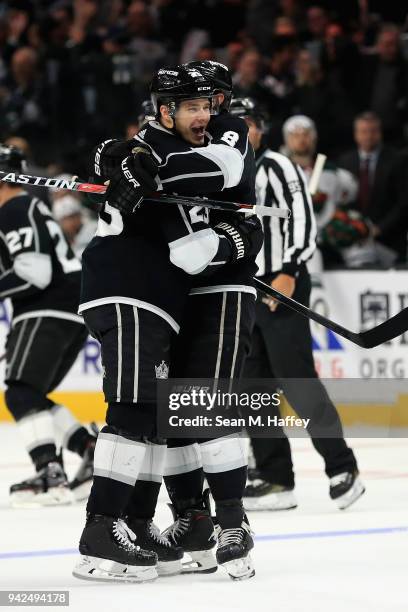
(124, 535)
(160, 538)
(179, 527)
(234, 535)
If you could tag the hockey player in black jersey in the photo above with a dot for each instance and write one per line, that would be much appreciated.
(217, 349)
(212, 343)
(41, 276)
(135, 313)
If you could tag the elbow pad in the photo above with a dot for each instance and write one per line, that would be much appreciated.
(228, 159)
(194, 252)
(34, 268)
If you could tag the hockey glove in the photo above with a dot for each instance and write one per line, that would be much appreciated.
(245, 237)
(132, 181)
(108, 156)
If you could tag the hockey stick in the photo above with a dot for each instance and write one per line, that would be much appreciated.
(72, 185)
(316, 173)
(393, 327)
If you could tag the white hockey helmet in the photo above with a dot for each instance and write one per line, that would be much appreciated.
(298, 122)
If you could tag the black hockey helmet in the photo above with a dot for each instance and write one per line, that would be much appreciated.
(247, 107)
(220, 77)
(170, 87)
(12, 159)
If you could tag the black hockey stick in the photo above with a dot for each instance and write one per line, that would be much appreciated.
(393, 327)
(72, 185)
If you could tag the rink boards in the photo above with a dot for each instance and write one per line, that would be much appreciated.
(358, 300)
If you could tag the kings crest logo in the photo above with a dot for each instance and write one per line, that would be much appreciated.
(162, 371)
(374, 308)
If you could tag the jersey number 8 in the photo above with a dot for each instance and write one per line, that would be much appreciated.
(231, 138)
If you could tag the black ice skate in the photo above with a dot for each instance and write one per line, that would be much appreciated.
(109, 554)
(149, 537)
(233, 550)
(81, 484)
(346, 488)
(263, 495)
(49, 487)
(193, 530)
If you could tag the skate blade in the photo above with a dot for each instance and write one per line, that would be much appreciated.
(56, 496)
(169, 568)
(351, 496)
(239, 569)
(284, 500)
(104, 570)
(202, 562)
(82, 491)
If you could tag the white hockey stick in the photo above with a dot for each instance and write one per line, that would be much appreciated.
(316, 173)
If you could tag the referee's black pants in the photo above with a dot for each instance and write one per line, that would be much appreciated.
(282, 349)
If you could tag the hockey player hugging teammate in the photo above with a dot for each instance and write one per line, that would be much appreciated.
(137, 275)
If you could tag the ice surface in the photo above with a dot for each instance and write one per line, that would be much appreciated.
(312, 559)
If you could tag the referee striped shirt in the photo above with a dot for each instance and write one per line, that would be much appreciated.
(288, 243)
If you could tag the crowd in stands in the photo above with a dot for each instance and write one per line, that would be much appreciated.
(74, 72)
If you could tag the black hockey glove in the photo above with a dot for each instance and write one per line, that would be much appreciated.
(108, 156)
(245, 236)
(133, 181)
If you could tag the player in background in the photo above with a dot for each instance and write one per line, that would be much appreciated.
(282, 343)
(41, 276)
(344, 236)
(136, 314)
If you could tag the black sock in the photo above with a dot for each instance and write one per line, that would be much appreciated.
(143, 500)
(227, 489)
(230, 513)
(41, 455)
(185, 489)
(80, 440)
(109, 497)
(227, 485)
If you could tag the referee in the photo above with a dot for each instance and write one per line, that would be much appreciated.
(282, 342)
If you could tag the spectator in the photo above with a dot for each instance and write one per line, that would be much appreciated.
(284, 26)
(280, 77)
(382, 193)
(24, 106)
(73, 71)
(317, 21)
(384, 83)
(312, 97)
(246, 79)
(17, 18)
(231, 55)
(279, 83)
(340, 60)
(149, 52)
